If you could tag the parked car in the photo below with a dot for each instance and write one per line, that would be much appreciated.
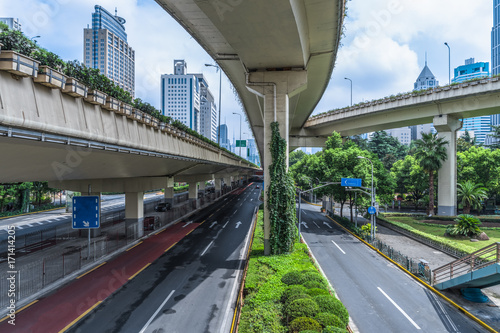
(151, 222)
(163, 207)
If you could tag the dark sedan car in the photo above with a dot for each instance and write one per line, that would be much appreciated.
(162, 207)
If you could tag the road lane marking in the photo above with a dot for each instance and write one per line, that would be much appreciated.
(133, 276)
(304, 212)
(338, 247)
(21, 309)
(327, 224)
(400, 310)
(225, 224)
(188, 223)
(238, 224)
(213, 223)
(304, 224)
(156, 312)
(130, 248)
(206, 249)
(171, 246)
(159, 232)
(80, 317)
(452, 324)
(316, 224)
(93, 269)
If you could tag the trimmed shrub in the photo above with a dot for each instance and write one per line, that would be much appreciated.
(295, 297)
(308, 331)
(291, 278)
(329, 319)
(316, 291)
(333, 329)
(292, 290)
(304, 307)
(332, 305)
(303, 324)
(315, 285)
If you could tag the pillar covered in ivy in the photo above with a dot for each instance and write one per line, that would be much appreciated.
(276, 87)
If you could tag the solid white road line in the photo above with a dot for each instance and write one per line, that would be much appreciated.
(158, 310)
(225, 224)
(206, 249)
(338, 247)
(400, 310)
(316, 225)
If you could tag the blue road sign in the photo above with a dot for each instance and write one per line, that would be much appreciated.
(355, 182)
(372, 210)
(86, 212)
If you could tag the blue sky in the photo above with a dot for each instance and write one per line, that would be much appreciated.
(383, 48)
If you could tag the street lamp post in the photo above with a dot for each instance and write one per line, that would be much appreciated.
(240, 129)
(346, 78)
(449, 62)
(220, 86)
(373, 200)
(32, 38)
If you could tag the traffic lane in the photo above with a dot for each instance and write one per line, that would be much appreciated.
(378, 294)
(193, 273)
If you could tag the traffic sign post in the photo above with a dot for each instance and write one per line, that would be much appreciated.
(352, 182)
(86, 214)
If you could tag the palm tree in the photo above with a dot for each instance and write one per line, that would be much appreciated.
(471, 195)
(431, 152)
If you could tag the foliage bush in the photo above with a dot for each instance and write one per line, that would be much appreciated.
(466, 225)
(291, 278)
(303, 307)
(315, 285)
(317, 291)
(333, 329)
(304, 324)
(332, 305)
(329, 319)
(292, 290)
(295, 297)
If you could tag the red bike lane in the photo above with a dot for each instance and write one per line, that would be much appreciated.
(61, 309)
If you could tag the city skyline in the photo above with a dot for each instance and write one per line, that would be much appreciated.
(384, 42)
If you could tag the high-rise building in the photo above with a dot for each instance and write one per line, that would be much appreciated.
(480, 126)
(224, 140)
(208, 110)
(424, 81)
(105, 47)
(187, 98)
(495, 39)
(471, 70)
(12, 23)
(403, 134)
(180, 96)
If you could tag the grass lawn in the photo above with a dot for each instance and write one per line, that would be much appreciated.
(438, 231)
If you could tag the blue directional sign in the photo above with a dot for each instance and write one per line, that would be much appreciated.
(86, 212)
(372, 210)
(354, 182)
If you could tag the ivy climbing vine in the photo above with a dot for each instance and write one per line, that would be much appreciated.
(281, 197)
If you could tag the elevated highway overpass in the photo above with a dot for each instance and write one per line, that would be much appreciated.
(279, 56)
(49, 135)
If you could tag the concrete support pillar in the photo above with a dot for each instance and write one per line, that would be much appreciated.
(275, 88)
(447, 128)
(193, 193)
(134, 211)
(169, 195)
(202, 186)
(218, 186)
(228, 182)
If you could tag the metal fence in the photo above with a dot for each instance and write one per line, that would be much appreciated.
(46, 256)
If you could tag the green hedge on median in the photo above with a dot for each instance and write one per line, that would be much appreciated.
(276, 296)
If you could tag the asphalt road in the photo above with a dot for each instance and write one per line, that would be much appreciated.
(192, 287)
(379, 296)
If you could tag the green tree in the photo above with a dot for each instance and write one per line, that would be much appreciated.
(431, 152)
(471, 195)
(295, 156)
(496, 135)
(387, 148)
(410, 179)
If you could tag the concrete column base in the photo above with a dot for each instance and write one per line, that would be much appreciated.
(447, 210)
